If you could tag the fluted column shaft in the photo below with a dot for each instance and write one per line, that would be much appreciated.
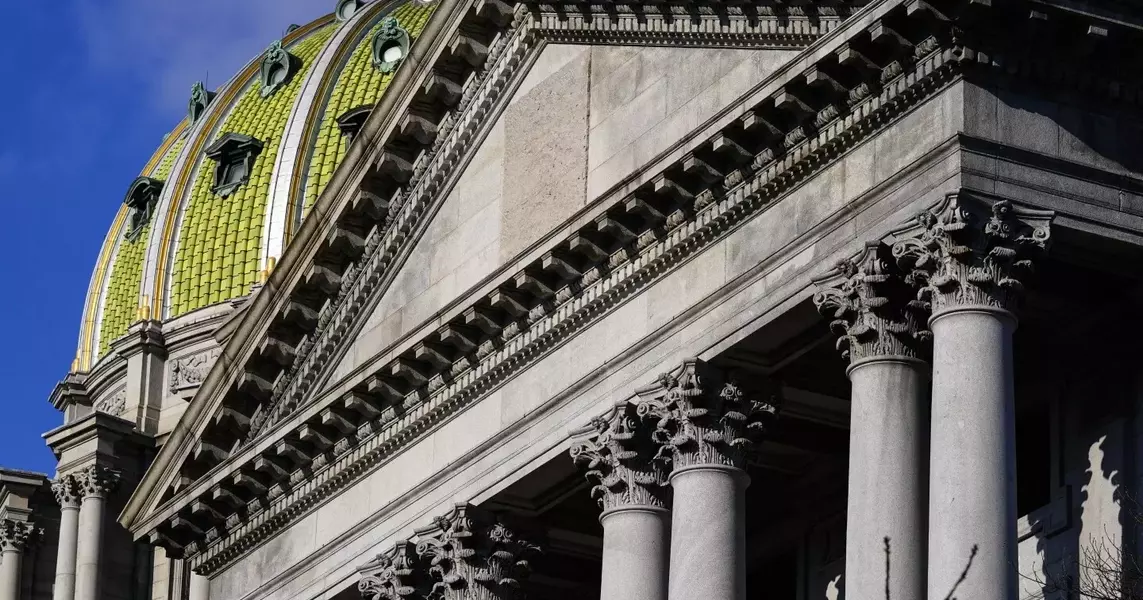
(973, 464)
(969, 260)
(14, 537)
(706, 422)
(880, 324)
(68, 493)
(97, 483)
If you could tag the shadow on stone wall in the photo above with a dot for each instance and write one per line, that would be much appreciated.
(1095, 560)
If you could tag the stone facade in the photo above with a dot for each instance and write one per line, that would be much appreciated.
(653, 303)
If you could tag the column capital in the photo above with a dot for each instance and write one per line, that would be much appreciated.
(619, 455)
(15, 535)
(703, 415)
(393, 575)
(97, 481)
(871, 307)
(68, 490)
(967, 252)
(473, 555)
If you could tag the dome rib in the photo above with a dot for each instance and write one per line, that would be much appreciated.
(216, 253)
(358, 83)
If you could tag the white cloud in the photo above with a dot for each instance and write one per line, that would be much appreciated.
(166, 45)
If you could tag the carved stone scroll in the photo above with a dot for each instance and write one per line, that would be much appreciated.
(704, 415)
(967, 253)
(473, 555)
(619, 457)
(394, 575)
(871, 307)
(188, 372)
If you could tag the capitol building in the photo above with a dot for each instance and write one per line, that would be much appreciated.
(619, 300)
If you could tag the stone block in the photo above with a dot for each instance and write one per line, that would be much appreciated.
(1028, 122)
(545, 149)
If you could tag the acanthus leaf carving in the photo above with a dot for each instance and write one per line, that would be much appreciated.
(475, 555)
(619, 457)
(15, 535)
(703, 415)
(871, 307)
(68, 490)
(968, 253)
(394, 575)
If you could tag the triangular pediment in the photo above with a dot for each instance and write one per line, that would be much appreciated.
(434, 249)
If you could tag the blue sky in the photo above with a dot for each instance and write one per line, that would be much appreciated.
(90, 88)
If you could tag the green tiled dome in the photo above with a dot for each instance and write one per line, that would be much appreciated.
(205, 243)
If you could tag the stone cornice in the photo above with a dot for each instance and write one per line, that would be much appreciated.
(646, 256)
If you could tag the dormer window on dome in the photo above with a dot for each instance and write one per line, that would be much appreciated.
(200, 99)
(278, 67)
(390, 45)
(141, 199)
(351, 122)
(347, 8)
(234, 155)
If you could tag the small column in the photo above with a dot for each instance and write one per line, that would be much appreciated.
(620, 460)
(968, 260)
(705, 422)
(14, 536)
(880, 325)
(97, 482)
(69, 495)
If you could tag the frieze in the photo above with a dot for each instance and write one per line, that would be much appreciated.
(189, 371)
(584, 307)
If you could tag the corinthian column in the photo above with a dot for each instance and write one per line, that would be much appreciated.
(69, 495)
(97, 482)
(880, 330)
(968, 260)
(14, 536)
(705, 422)
(619, 457)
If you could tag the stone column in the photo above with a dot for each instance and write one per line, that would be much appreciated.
(968, 260)
(880, 326)
(97, 483)
(69, 494)
(14, 537)
(705, 422)
(620, 460)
